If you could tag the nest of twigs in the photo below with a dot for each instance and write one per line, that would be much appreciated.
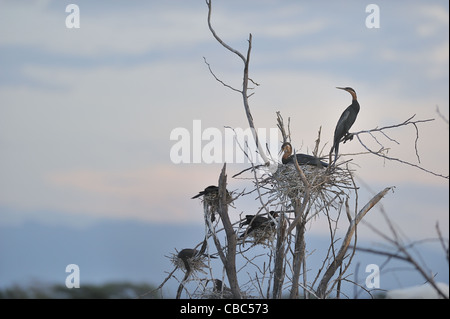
(263, 235)
(323, 185)
(290, 183)
(217, 292)
(212, 202)
(211, 293)
(196, 263)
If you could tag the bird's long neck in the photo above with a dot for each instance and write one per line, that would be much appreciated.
(355, 105)
(353, 95)
(286, 155)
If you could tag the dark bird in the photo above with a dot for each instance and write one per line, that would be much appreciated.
(189, 257)
(255, 222)
(345, 122)
(189, 253)
(302, 159)
(210, 190)
(211, 197)
(220, 287)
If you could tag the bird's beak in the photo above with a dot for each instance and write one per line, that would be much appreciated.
(337, 87)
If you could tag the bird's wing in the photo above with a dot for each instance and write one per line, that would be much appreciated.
(248, 219)
(342, 120)
(341, 129)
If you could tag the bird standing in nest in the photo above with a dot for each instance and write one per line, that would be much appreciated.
(302, 159)
(345, 122)
(256, 222)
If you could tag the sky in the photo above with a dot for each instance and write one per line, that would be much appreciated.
(86, 114)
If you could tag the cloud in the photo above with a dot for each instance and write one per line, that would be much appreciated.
(434, 20)
(159, 27)
(326, 52)
(157, 193)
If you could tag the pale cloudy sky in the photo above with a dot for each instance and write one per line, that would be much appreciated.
(86, 114)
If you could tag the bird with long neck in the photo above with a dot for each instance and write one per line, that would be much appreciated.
(345, 122)
(302, 159)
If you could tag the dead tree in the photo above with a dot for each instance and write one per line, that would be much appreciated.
(228, 258)
(299, 194)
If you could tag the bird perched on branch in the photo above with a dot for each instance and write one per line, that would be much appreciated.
(256, 222)
(210, 190)
(211, 197)
(302, 159)
(345, 122)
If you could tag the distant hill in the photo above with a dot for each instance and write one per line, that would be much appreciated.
(135, 252)
(107, 251)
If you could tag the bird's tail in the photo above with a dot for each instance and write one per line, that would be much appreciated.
(336, 151)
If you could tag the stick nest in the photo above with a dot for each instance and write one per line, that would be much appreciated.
(212, 201)
(196, 263)
(263, 235)
(217, 292)
(324, 185)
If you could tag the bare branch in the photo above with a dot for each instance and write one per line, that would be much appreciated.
(402, 253)
(407, 122)
(442, 241)
(219, 80)
(380, 152)
(440, 115)
(280, 124)
(230, 261)
(208, 3)
(331, 270)
(246, 79)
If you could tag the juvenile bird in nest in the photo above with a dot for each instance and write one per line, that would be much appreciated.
(257, 222)
(302, 159)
